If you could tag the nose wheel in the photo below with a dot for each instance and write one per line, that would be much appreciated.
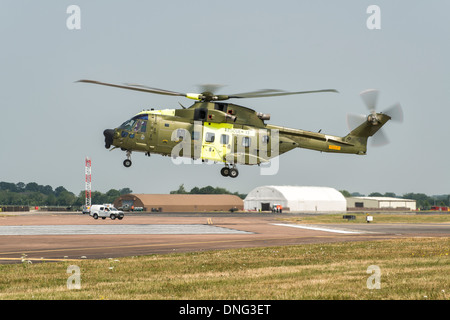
(229, 172)
(127, 162)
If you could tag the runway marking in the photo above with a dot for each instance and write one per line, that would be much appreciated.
(317, 228)
(176, 244)
(39, 259)
(37, 230)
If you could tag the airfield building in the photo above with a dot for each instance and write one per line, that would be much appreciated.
(380, 203)
(295, 199)
(179, 202)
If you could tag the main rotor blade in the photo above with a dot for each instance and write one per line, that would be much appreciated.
(273, 93)
(137, 87)
(208, 94)
(370, 98)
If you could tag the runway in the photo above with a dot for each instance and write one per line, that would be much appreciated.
(115, 229)
(71, 237)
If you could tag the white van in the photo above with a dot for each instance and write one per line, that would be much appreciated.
(104, 212)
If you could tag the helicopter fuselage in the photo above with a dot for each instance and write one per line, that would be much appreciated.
(227, 133)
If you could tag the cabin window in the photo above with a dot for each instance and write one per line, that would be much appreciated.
(221, 106)
(181, 133)
(196, 135)
(246, 142)
(224, 139)
(209, 137)
(200, 114)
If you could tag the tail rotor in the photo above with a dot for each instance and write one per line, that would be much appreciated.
(370, 99)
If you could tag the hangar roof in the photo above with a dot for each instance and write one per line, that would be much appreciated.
(383, 198)
(186, 199)
(296, 193)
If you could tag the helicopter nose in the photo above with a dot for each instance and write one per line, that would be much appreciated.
(109, 137)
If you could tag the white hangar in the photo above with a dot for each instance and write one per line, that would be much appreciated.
(295, 199)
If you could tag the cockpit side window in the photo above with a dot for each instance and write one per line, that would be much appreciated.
(140, 126)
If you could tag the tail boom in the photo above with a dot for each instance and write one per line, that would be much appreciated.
(353, 143)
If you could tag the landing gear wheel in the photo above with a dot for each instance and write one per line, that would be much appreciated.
(233, 173)
(225, 171)
(127, 163)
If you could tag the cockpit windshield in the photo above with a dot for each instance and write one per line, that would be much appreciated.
(127, 125)
(137, 122)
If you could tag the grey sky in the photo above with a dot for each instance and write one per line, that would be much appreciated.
(50, 123)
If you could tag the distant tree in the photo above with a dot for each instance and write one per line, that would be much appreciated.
(206, 190)
(98, 198)
(422, 200)
(125, 191)
(47, 190)
(20, 186)
(195, 190)
(345, 193)
(112, 195)
(375, 194)
(181, 190)
(32, 187)
(8, 186)
(36, 199)
(65, 198)
(34, 194)
(59, 190)
(50, 200)
(356, 194)
(390, 194)
(80, 200)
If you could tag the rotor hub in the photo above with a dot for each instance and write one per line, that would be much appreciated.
(373, 119)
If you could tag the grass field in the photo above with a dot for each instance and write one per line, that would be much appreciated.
(377, 218)
(416, 268)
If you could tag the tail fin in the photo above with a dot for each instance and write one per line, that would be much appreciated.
(360, 134)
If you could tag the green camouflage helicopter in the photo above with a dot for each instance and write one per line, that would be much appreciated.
(232, 134)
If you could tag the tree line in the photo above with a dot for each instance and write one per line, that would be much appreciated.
(207, 190)
(33, 194)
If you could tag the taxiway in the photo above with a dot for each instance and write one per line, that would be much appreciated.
(70, 236)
